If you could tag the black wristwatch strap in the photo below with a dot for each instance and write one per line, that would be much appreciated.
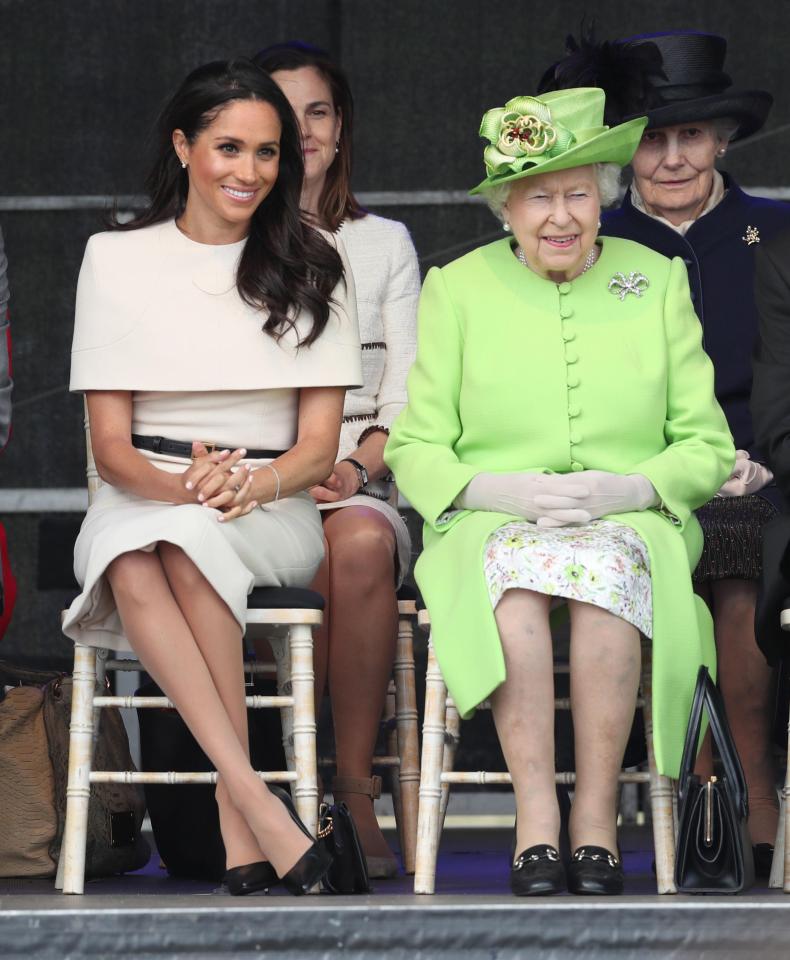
(362, 472)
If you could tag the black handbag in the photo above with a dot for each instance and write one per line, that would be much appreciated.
(349, 870)
(714, 851)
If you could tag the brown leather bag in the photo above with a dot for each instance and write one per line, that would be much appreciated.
(34, 746)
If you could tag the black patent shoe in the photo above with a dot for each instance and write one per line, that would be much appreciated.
(537, 872)
(763, 858)
(595, 871)
(314, 862)
(250, 878)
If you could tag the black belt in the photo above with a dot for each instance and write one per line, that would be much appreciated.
(182, 448)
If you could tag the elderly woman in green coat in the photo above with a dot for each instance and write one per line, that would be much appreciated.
(561, 427)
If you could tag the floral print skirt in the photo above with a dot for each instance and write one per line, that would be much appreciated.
(604, 563)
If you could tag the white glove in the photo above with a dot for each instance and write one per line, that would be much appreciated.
(748, 476)
(515, 493)
(601, 493)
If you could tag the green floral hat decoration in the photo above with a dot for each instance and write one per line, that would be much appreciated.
(555, 131)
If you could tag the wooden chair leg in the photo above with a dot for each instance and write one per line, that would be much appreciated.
(429, 821)
(389, 723)
(778, 871)
(408, 742)
(661, 791)
(281, 649)
(783, 858)
(452, 736)
(71, 866)
(304, 730)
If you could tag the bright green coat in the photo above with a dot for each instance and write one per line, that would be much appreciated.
(515, 372)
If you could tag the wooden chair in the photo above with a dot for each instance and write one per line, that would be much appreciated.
(439, 739)
(286, 616)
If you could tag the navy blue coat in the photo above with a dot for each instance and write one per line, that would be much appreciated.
(720, 266)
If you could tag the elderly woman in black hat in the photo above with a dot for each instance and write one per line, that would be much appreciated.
(682, 206)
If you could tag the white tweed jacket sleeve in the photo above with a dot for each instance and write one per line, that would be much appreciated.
(387, 278)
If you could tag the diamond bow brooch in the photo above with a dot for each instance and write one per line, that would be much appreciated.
(635, 283)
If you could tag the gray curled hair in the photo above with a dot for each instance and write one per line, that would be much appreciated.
(607, 176)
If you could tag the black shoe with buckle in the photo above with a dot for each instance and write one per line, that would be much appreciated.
(595, 871)
(537, 872)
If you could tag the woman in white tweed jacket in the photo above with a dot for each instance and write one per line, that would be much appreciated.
(367, 544)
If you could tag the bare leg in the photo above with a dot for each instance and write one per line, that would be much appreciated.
(746, 683)
(362, 636)
(605, 663)
(160, 636)
(212, 624)
(523, 708)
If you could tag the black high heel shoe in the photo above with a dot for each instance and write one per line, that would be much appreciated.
(596, 871)
(250, 878)
(314, 862)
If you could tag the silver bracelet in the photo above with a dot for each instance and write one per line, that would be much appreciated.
(277, 475)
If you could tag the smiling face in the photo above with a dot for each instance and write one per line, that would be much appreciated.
(319, 121)
(232, 166)
(673, 169)
(554, 217)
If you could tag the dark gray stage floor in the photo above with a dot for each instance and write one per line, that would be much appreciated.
(148, 915)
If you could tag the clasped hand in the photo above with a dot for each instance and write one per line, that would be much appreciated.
(557, 500)
(747, 477)
(217, 480)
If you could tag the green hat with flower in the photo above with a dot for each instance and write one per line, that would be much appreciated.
(555, 131)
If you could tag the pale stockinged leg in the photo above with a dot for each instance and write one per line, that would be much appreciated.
(605, 666)
(523, 708)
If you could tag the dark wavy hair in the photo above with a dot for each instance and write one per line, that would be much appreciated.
(286, 265)
(337, 202)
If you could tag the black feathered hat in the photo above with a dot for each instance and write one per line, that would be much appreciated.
(672, 77)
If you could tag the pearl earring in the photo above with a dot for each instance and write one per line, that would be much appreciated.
(599, 224)
(506, 227)
(183, 165)
(337, 146)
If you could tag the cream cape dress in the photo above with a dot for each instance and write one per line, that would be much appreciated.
(159, 315)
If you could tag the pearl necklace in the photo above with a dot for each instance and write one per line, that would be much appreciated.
(589, 260)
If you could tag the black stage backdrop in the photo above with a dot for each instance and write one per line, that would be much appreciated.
(81, 82)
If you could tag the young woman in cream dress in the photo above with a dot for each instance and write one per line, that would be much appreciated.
(215, 315)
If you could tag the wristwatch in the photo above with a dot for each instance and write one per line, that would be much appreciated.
(362, 473)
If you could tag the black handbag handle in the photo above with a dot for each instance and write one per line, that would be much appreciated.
(708, 696)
